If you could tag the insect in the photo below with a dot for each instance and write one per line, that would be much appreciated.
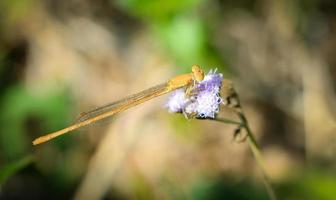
(185, 80)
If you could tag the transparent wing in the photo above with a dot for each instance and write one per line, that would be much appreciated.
(129, 101)
(109, 110)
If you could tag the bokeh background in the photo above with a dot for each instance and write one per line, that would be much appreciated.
(60, 58)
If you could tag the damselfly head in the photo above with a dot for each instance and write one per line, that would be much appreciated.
(198, 73)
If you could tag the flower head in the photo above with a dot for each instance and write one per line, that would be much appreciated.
(204, 100)
(177, 101)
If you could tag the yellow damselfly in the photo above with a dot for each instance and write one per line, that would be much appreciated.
(184, 80)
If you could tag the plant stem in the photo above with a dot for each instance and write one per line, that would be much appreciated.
(226, 121)
(256, 150)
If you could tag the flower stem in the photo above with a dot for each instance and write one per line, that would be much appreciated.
(224, 120)
(256, 150)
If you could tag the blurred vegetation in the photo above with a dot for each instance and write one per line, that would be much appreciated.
(60, 58)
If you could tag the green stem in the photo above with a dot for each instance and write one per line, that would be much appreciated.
(227, 121)
(256, 150)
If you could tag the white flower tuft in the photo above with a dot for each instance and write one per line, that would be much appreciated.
(177, 101)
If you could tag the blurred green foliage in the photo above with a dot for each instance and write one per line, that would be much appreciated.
(10, 169)
(158, 11)
(310, 185)
(18, 106)
(226, 188)
(12, 11)
(180, 27)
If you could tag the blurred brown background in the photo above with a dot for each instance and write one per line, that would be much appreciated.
(60, 58)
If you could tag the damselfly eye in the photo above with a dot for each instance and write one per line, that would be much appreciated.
(197, 72)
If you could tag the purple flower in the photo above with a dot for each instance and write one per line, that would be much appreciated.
(177, 101)
(204, 100)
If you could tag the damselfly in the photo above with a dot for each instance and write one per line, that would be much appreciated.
(184, 80)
